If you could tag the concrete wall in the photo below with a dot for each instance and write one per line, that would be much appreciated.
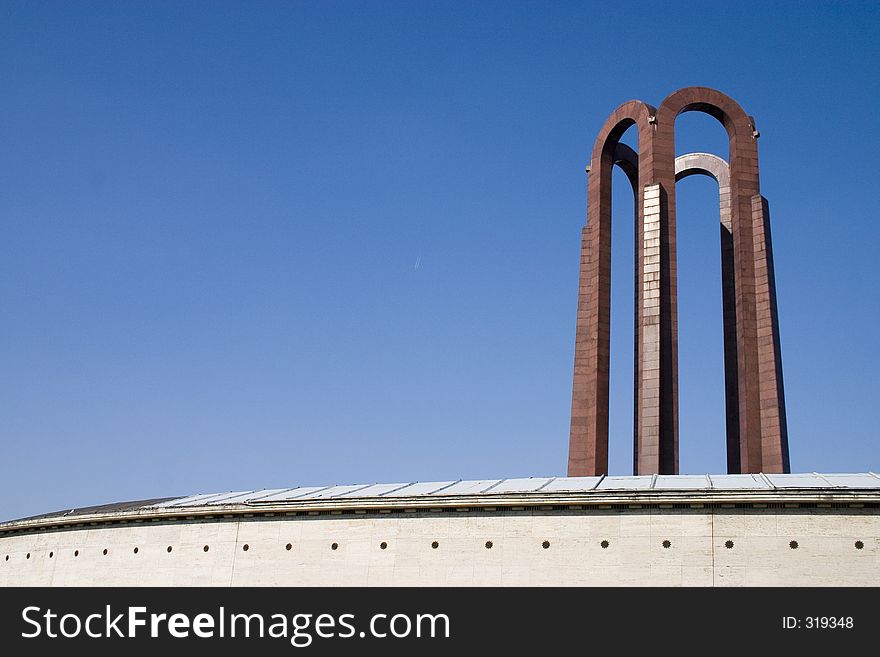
(697, 556)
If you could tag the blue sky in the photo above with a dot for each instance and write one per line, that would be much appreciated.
(248, 245)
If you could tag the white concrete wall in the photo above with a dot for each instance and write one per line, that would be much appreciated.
(697, 557)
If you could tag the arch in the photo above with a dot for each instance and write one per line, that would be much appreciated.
(713, 166)
(761, 412)
(714, 103)
(744, 181)
(742, 172)
(707, 164)
(588, 439)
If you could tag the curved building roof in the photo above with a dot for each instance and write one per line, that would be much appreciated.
(809, 487)
(490, 487)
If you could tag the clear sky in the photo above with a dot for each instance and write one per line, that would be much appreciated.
(248, 245)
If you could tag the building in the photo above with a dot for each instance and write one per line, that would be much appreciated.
(670, 530)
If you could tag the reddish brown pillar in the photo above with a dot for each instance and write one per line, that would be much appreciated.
(774, 432)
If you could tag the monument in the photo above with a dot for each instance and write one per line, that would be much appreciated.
(757, 438)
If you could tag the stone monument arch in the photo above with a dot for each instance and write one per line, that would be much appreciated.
(757, 437)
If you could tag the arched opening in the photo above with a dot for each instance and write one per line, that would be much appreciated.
(621, 399)
(700, 239)
(703, 244)
(698, 132)
(701, 382)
